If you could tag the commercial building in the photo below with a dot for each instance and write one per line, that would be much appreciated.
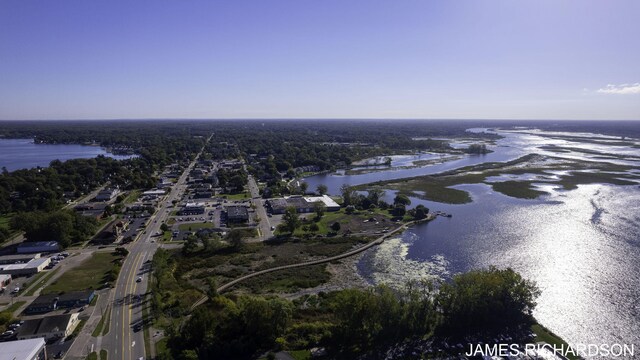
(31, 247)
(31, 349)
(51, 302)
(18, 259)
(192, 209)
(301, 204)
(107, 194)
(32, 267)
(48, 327)
(237, 214)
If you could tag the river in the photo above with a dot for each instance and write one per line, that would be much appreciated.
(582, 247)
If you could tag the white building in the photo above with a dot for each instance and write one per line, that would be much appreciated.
(32, 267)
(31, 349)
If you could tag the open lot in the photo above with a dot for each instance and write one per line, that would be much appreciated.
(90, 274)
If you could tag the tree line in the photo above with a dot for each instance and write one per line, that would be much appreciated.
(354, 322)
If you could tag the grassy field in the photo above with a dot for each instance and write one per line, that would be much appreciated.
(92, 356)
(239, 196)
(4, 220)
(41, 281)
(300, 354)
(132, 196)
(195, 226)
(103, 354)
(15, 306)
(544, 334)
(88, 275)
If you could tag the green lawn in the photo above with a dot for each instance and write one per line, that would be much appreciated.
(40, 280)
(15, 306)
(102, 324)
(88, 275)
(239, 196)
(544, 334)
(195, 226)
(300, 354)
(132, 196)
(92, 356)
(4, 220)
(103, 354)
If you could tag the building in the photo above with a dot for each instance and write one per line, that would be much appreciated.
(107, 194)
(328, 202)
(154, 193)
(94, 210)
(51, 302)
(48, 327)
(301, 204)
(30, 349)
(32, 267)
(5, 280)
(203, 195)
(18, 259)
(192, 209)
(31, 247)
(237, 214)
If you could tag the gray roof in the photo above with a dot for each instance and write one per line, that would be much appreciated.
(237, 211)
(44, 325)
(21, 349)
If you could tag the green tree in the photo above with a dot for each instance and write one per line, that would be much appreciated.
(291, 220)
(335, 226)
(401, 199)
(487, 300)
(321, 189)
(319, 208)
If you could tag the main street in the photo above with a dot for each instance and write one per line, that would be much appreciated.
(126, 336)
(264, 226)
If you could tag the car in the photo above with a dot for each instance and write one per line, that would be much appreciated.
(15, 290)
(59, 355)
(7, 333)
(139, 279)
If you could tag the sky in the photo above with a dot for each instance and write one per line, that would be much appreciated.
(106, 59)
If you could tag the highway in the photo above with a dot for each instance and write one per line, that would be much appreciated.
(126, 336)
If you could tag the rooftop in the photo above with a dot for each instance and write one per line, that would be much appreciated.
(21, 349)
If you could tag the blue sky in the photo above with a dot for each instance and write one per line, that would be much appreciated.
(544, 59)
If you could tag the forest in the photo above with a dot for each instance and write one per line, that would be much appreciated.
(347, 323)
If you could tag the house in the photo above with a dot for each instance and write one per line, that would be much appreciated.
(237, 214)
(107, 194)
(31, 247)
(48, 327)
(30, 349)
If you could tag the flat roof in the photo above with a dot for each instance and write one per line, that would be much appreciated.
(38, 243)
(328, 202)
(21, 349)
(237, 211)
(28, 265)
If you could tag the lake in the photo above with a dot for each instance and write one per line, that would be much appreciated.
(582, 247)
(24, 154)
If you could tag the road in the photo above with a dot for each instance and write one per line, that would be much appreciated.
(128, 296)
(264, 226)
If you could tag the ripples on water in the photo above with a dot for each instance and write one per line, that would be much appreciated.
(582, 247)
